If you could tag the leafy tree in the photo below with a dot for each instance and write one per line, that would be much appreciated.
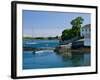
(66, 34)
(76, 25)
(74, 31)
(50, 38)
(56, 37)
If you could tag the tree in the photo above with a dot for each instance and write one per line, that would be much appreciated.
(50, 38)
(76, 25)
(56, 37)
(66, 34)
(74, 31)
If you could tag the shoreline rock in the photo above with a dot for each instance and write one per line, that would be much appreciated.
(63, 48)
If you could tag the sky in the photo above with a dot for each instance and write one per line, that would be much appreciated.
(49, 24)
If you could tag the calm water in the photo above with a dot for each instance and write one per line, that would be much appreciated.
(51, 59)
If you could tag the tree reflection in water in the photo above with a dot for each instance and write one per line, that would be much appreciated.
(75, 59)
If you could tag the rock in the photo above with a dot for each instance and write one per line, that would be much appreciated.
(63, 48)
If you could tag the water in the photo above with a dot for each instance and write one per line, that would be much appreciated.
(51, 59)
(41, 43)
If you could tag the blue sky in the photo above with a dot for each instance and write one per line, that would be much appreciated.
(46, 24)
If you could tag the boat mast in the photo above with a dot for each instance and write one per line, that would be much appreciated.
(32, 32)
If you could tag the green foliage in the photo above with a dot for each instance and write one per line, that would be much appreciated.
(77, 22)
(50, 38)
(74, 31)
(27, 38)
(56, 37)
(76, 25)
(39, 38)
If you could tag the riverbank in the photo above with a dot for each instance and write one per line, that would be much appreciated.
(66, 48)
(83, 49)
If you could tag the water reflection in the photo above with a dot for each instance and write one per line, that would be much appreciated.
(51, 59)
(75, 58)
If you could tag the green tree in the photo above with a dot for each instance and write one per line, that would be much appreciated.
(76, 25)
(74, 31)
(50, 38)
(56, 37)
(66, 34)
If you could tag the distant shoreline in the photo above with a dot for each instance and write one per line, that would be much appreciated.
(40, 38)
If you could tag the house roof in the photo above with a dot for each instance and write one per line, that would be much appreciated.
(86, 26)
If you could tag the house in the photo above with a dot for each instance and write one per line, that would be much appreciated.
(85, 32)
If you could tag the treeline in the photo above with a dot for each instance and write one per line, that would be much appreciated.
(74, 31)
(41, 38)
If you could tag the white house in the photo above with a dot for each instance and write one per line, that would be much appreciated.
(85, 32)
